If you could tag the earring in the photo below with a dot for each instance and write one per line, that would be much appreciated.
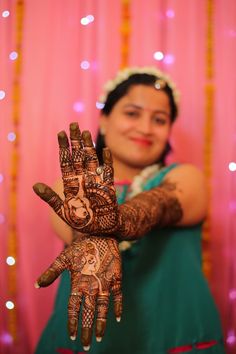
(102, 131)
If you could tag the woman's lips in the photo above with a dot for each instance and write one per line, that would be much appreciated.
(141, 141)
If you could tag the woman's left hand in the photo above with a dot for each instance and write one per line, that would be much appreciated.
(90, 204)
(95, 267)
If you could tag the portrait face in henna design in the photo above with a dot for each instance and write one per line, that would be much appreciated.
(91, 259)
(78, 210)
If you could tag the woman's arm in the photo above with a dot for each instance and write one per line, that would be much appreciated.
(180, 200)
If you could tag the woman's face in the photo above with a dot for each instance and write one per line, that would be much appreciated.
(138, 127)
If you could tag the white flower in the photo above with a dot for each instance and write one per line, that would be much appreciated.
(124, 74)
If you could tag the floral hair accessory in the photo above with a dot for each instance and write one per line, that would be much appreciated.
(122, 75)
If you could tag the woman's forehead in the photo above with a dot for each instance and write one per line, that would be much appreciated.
(145, 97)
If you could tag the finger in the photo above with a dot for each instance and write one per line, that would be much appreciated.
(102, 309)
(50, 274)
(108, 172)
(61, 263)
(77, 148)
(107, 156)
(50, 197)
(91, 159)
(87, 321)
(73, 313)
(117, 295)
(65, 156)
(46, 278)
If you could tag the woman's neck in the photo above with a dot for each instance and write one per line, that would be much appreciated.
(124, 172)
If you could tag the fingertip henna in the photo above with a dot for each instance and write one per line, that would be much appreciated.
(100, 329)
(63, 139)
(107, 156)
(87, 138)
(43, 191)
(75, 133)
(86, 337)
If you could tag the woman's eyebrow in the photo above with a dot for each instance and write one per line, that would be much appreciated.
(133, 105)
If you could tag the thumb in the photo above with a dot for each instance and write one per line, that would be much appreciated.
(49, 196)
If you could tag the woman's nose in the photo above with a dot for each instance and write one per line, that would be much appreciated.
(144, 125)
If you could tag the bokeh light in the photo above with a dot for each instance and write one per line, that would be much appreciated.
(158, 55)
(10, 261)
(2, 218)
(85, 65)
(170, 13)
(169, 59)
(13, 55)
(87, 20)
(2, 94)
(10, 305)
(78, 106)
(5, 13)
(232, 166)
(11, 136)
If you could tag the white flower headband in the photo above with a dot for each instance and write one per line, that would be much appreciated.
(122, 75)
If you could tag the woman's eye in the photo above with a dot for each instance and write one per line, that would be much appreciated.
(159, 120)
(131, 114)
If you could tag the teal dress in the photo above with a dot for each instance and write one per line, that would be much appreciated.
(167, 303)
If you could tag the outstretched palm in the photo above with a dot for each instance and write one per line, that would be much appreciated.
(90, 206)
(90, 200)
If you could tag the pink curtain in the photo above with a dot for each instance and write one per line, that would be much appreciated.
(64, 64)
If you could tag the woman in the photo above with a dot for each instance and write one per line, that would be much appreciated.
(167, 305)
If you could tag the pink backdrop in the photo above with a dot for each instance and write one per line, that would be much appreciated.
(55, 90)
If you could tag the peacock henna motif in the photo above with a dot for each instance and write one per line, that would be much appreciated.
(95, 267)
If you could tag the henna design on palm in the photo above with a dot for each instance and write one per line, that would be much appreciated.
(95, 267)
(90, 204)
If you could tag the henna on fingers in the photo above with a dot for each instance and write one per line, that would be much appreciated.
(95, 267)
(90, 204)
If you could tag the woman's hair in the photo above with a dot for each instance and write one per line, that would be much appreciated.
(121, 90)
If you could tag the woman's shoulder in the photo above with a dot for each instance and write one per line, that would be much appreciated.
(184, 171)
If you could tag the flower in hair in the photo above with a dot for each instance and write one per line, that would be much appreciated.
(123, 75)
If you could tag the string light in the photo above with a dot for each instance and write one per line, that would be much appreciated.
(85, 65)
(5, 13)
(6, 338)
(232, 294)
(169, 59)
(78, 107)
(231, 339)
(13, 55)
(158, 56)
(87, 20)
(170, 13)
(2, 218)
(10, 261)
(2, 94)
(1, 177)
(10, 305)
(232, 206)
(11, 136)
(232, 166)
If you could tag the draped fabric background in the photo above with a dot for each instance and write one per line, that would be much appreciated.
(53, 90)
